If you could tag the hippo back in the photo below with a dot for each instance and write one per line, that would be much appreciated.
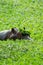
(3, 34)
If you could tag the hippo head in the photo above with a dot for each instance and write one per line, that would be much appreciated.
(15, 34)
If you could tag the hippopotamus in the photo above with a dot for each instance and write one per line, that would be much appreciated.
(14, 34)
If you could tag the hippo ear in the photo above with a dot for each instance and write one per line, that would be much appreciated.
(12, 30)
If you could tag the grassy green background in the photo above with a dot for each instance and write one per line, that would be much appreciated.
(22, 13)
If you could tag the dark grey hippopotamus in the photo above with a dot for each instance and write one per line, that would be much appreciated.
(14, 33)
